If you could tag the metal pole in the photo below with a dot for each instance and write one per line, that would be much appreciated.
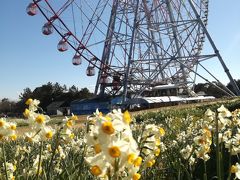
(107, 45)
(232, 81)
(125, 80)
(175, 30)
(150, 29)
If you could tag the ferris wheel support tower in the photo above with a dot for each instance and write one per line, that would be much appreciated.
(145, 43)
(233, 83)
(126, 83)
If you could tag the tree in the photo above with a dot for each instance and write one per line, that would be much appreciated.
(229, 85)
(211, 89)
(73, 90)
(7, 107)
(20, 105)
(27, 93)
(201, 87)
(84, 93)
(44, 94)
(50, 92)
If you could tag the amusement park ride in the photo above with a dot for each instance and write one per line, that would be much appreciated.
(147, 45)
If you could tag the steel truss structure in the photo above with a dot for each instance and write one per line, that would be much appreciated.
(145, 43)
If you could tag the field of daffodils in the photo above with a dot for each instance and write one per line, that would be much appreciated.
(195, 143)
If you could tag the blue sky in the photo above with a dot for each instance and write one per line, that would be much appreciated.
(29, 59)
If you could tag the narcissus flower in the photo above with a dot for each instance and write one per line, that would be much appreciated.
(74, 117)
(10, 170)
(95, 170)
(32, 137)
(69, 123)
(151, 162)
(114, 151)
(137, 161)
(40, 119)
(235, 169)
(111, 145)
(98, 164)
(47, 133)
(2, 123)
(161, 131)
(12, 126)
(131, 157)
(29, 101)
(97, 148)
(136, 176)
(126, 117)
(13, 137)
(107, 127)
(26, 113)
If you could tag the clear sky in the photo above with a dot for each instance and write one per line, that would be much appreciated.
(29, 59)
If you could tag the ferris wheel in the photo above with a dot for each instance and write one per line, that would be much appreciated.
(131, 45)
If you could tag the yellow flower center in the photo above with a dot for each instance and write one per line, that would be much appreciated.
(157, 142)
(69, 123)
(1, 136)
(161, 131)
(201, 141)
(95, 170)
(107, 128)
(29, 101)
(97, 148)
(150, 163)
(72, 135)
(49, 135)
(29, 139)
(136, 176)
(2, 123)
(233, 169)
(74, 118)
(13, 137)
(131, 158)
(208, 133)
(126, 117)
(13, 127)
(49, 148)
(14, 167)
(26, 113)
(157, 152)
(40, 119)
(114, 151)
(138, 161)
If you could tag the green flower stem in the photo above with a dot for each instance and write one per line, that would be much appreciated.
(40, 157)
(229, 164)
(109, 174)
(53, 154)
(140, 143)
(4, 161)
(82, 158)
(179, 174)
(218, 151)
(116, 168)
(36, 133)
(68, 175)
(189, 177)
(205, 171)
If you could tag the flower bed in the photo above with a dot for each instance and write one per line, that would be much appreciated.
(195, 143)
